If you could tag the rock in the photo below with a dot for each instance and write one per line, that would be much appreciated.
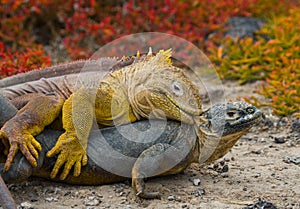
(92, 201)
(128, 207)
(57, 190)
(225, 169)
(34, 199)
(295, 160)
(296, 125)
(51, 199)
(279, 140)
(224, 175)
(178, 198)
(198, 192)
(260, 204)
(247, 195)
(171, 198)
(222, 162)
(196, 182)
(25, 205)
(243, 27)
(216, 166)
(107, 205)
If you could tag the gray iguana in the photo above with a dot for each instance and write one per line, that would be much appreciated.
(222, 125)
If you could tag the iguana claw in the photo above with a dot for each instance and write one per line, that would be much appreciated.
(23, 141)
(71, 153)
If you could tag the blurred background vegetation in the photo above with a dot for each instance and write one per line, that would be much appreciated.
(36, 34)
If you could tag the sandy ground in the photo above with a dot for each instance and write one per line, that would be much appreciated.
(256, 168)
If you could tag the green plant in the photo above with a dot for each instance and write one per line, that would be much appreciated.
(275, 60)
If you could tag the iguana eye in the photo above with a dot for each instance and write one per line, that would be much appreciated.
(176, 87)
(231, 114)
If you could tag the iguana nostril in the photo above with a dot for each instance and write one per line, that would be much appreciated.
(250, 110)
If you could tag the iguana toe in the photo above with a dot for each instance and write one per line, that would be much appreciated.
(5, 142)
(139, 186)
(71, 153)
(24, 142)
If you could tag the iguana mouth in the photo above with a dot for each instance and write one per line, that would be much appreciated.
(242, 123)
(247, 119)
(186, 110)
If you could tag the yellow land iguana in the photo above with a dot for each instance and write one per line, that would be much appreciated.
(127, 95)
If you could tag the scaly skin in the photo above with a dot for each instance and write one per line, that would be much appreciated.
(146, 88)
(217, 129)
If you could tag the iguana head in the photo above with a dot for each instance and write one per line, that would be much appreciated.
(220, 127)
(160, 88)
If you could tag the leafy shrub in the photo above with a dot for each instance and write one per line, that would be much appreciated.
(21, 61)
(275, 60)
(83, 26)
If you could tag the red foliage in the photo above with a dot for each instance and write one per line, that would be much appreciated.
(21, 61)
(188, 19)
(83, 26)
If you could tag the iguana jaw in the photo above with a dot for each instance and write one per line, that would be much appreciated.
(150, 100)
(188, 110)
(222, 125)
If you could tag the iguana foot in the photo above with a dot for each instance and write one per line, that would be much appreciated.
(139, 186)
(37, 111)
(19, 140)
(71, 153)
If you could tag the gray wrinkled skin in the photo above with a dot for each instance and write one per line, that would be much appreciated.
(223, 121)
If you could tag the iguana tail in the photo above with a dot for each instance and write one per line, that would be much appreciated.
(107, 64)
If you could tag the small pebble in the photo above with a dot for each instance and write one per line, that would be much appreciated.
(216, 165)
(171, 198)
(257, 175)
(107, 205)
(268, 123)
(57, 190)
(184, 206)
(93, 202)
(51, 199)
(247, 195)
(279, 140)
(225, 169)
(178, 198)
(296, 125)
(67, 193)
(198, 192)
(196, 182)
(35, 199)
(25, 205)
(222, 162)
(224, 175)
(261, 204)
(295, 160)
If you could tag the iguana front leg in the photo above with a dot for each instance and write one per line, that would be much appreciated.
(157, 160)
(18, 132)
(77, 116)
